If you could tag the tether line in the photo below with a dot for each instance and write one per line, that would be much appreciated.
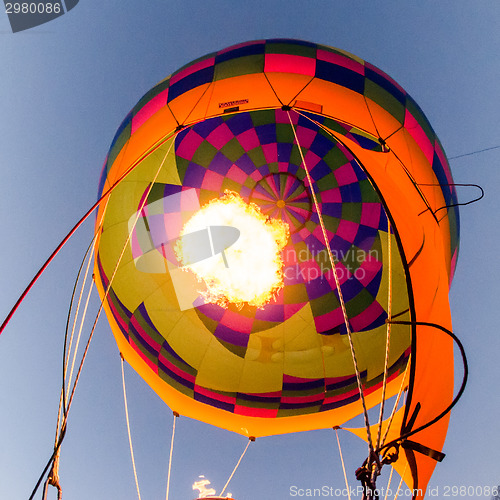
(170, 456)
(343, 464)
(128, 430)
(473, 152)
(388, 333)
(395, 407)
(236, 466)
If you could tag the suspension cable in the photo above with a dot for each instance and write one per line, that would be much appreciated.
(388, 484)
(336, 429)
(250, 440)
(68, 344)
(388, 333)
(176, 415)
(77, 343)
(128, 429)
(401, 481)
(396, 403)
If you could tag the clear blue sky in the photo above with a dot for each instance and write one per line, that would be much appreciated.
(65, 88)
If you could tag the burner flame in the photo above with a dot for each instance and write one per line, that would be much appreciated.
(250, 271)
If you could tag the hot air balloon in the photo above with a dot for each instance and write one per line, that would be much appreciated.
(277, 235)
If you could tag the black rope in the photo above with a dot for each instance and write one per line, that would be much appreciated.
(480, 197)
(406, 435)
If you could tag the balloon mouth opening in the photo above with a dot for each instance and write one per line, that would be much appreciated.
(246, 265)
(283, 196)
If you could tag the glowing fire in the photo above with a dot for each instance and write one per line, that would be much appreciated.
(201, 486)
(250, 271)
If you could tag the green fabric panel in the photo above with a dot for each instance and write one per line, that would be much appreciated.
(182, 166)
(352, 211)
(327, 182)
(358, 303)
(206, 196)
(284, 133)
(232, 150)
(262, 403)
(291, 49)
(346, 388)
(334, 158)
(153, 358)
(325, 303)
(119, 144)
(273, 168)
(204, 154)
(257, 157)
(261, 325)
(237, 350)
(286, 412)
(368, 194)
(176, 385)
(385, 99)
(295, 294)
(179, 363)
(332, 223)
(231, 185)
(263, 117)
(239, 66)
(152, 332)
(296, 159)
(250, 183)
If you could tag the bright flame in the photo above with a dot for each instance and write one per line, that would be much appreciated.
(250, 271)
(201, 486)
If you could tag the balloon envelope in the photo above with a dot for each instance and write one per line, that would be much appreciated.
(338, 152)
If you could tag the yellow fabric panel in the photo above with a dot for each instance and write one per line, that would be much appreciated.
(265, 358)
(220, 369)
(187, 336)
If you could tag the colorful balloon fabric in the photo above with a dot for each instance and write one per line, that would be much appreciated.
(338, 152)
